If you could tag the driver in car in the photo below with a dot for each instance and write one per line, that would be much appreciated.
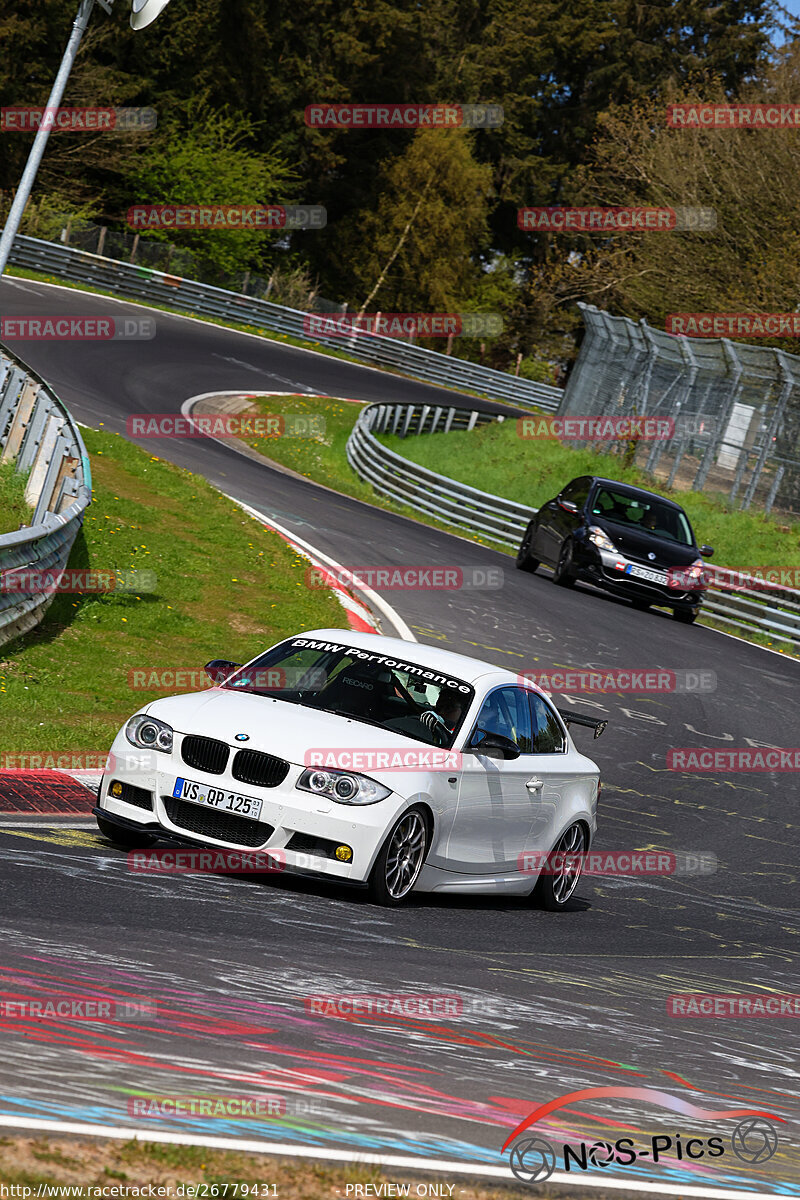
(445, 714)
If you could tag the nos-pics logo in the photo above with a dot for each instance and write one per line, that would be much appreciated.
(533, 1159)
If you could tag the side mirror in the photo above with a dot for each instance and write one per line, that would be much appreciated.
(707, 551)
(567, 505)
(219, 669)
(493, 745)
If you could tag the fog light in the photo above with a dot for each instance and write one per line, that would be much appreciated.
(116, 789)
(344, 853)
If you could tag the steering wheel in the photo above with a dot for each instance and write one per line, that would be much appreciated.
(436, 726)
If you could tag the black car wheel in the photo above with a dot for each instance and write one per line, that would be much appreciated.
(554, 889)
(400, 859)
(562, 575)
(687, 616)
(524, 560)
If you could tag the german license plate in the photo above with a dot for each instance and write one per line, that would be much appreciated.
(646, 573)
(218, 798)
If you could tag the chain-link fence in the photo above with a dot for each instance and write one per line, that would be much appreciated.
(736, 407)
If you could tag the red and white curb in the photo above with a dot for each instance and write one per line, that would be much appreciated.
(355, 611)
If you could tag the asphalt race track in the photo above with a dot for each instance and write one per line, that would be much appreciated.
(552, 1003)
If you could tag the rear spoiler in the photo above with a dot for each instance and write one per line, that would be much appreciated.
(571, 718)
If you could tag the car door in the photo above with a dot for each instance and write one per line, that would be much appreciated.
(559, 518)
(494, 811)
(566, 778)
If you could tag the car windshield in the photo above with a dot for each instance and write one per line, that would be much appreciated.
(399, 696)
(642, 512)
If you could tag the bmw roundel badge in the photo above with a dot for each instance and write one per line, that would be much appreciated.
(651, 556)
(242, 737)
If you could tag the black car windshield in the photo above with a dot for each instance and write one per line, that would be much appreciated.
(642, 512)
(377, 689)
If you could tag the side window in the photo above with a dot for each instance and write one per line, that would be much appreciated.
(577, 492)
(506, 712)
(548, 737)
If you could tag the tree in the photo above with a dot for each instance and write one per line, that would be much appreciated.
(430, 217)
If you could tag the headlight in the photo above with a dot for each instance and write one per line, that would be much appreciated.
(695, 571)
(601, 539)
(341, 787)
(149, 734)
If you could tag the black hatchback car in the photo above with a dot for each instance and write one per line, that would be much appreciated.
(620, 538)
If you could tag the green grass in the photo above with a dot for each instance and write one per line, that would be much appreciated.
(495, 459)
(13, 509)
(225, 588)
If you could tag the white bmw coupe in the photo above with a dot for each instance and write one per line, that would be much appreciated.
(366, 759)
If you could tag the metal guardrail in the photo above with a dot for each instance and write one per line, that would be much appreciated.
(39, 436)
(143, 283)
(742, 602)
(495, 519)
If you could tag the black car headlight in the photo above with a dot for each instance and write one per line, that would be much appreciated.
(343, 787)
(148, 733)
(598, 537)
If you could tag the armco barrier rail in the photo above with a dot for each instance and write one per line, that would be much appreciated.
(125, 279)
(38, 435)
(744, 603)
(495, 519)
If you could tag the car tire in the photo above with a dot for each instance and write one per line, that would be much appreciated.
(390, 882)
(554, 891)
(124, 837)
(562, 575)
(524, 560)
(687, 616)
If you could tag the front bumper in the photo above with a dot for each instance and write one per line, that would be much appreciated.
(304, 827)
(612, 572)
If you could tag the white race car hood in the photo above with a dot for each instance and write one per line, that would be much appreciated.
(290, 731)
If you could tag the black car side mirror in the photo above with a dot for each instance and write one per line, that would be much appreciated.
(219, 669)
(567, 505)
(706, 551)
(493, 745)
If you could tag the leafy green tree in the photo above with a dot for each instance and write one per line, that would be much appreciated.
(203, 159)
